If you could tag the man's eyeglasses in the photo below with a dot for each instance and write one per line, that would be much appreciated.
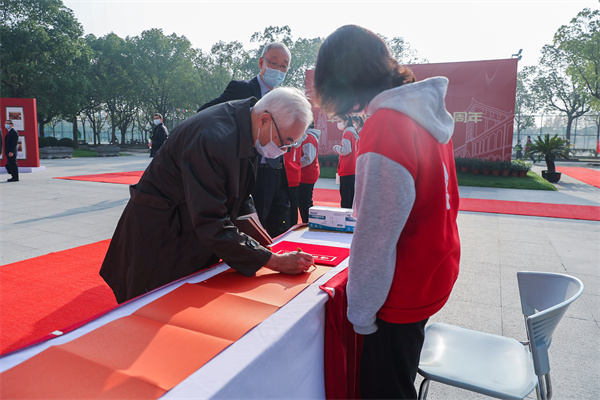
(282, 68)
(283, 146)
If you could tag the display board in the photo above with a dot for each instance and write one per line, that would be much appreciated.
(23, 113)
(480, 97)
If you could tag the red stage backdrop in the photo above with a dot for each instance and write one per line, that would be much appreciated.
(481, 98)
(23, 113)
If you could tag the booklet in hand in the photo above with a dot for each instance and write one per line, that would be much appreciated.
(251, 226)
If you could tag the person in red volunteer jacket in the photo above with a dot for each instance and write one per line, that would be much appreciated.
(347, 162)
(310, 170)
(292, 170)
(405, 253)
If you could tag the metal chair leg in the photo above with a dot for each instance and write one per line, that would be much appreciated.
(424, 389)
(544, 388)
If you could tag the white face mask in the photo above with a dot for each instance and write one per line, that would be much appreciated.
(270, 150)
(273, 77)
(341, 126)
(156, 121)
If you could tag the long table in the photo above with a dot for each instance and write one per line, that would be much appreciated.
(281, 357)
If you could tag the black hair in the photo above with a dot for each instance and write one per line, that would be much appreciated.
(353, 66)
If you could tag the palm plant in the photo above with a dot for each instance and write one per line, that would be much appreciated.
(550, 148)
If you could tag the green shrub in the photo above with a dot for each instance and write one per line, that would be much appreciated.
(66, 142)
(521, 165)
(460, 162)
(42, 142)
(51, 141)
(476, 163)
(504, 165)
(486, 165)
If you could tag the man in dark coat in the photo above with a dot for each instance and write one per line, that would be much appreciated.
(179, 218)
(159, 134)
(10, 151)
(271, 194)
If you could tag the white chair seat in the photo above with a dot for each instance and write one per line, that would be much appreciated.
(493, 365)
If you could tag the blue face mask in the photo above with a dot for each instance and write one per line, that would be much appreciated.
(270, 150)
(273, 77)
(7, 126)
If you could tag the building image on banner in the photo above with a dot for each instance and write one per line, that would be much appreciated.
(480, 98)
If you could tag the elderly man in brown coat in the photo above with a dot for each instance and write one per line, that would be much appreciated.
(180, 216)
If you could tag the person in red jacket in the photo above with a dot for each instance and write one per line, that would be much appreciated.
(405, 252)
(310, 170)
(347, 163)
(292, 170)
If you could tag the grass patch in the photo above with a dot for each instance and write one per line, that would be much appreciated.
(84, 153)
(91, 153)
(531, 182)
(328, 172)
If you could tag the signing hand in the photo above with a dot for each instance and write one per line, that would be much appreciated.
(290, 263)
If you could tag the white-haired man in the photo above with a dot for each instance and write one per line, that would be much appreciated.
(271, 193)
(179, 217)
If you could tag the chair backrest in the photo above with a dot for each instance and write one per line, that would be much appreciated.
(545, 298)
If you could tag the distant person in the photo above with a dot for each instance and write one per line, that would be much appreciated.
(519, 150)
(310, 171)
(528, 145)
(180, 216)
(11, 142)
(347, 162)
(358, 123)
(160, 133)
(405, 250)
(293, 173)
(271, 193)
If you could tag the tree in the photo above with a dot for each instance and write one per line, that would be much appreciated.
(580, 42)
(525, 103)
(111, 65)
(402, 51)
(211, 79)
(550, 148)
(233, 58)
(40, 54)
(162, 72)
(555, 88)
(304, 56)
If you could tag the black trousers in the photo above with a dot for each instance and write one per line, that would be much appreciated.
(347, 190)
(272, 200)
(12, 168)
(305, 199)
(390, 359)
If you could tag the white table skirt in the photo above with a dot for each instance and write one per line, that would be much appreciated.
(280, 358)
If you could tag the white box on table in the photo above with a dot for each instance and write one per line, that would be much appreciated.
(328, 218)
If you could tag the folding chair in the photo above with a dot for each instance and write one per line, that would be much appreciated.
(499, 366)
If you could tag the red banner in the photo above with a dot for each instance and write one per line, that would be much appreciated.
(480, 97)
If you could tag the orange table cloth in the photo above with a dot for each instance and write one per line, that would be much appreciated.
(149, 352)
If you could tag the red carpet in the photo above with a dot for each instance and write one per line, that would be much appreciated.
(126, 178)
(52, 292)
(590, 213)
(331, 197)
(585, 175)
(326, 197)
